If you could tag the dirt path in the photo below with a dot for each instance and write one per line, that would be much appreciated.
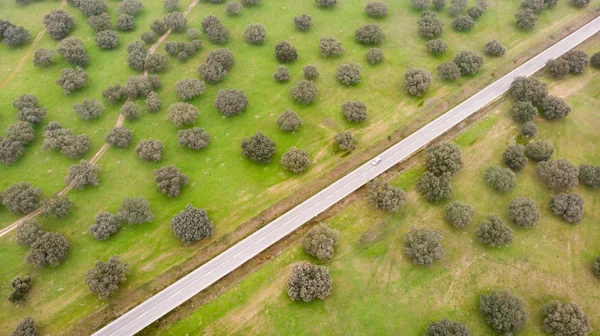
(94, 159)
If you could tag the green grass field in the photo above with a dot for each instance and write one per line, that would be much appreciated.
(378, 291)
(231, 188)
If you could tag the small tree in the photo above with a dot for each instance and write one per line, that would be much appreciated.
(326, 3)
(233, 8)
(100, 22)
(10, 151)
(195, 138)
(131, 110)
(374, 56)
(439, 4)
(104, 279)
(444, 157)
(295, 160)
(304, 92)
(255, 33)
(596, 267)
(282, 74)
(422, 245)
(250, 3)
(4, 25)
(503, 311)
(320, 242)
(43, 57)
(188, 88)
(310, 72)
(113, 94)
(28, 231)
(435, 187)
(569, 206)
(156, 63)
(376, 9)
(430, 26)
(446, 327)
(580, 3)
(105, 225)
(309, 281)
(119, 137)
(91, 7)
(468, 62)
(172, 5)
(539, 150)
(355, 111)
(345, 141)
(21, 198)
(48, 250)
(494, 49)
(170, 180)
(16, 36)
(285, 53)
(153, 103)
(559, 174)
(176, 22)
(420, 4)
(523, 111)
(135, 210)
(258, 148)
(348, 74)
(577, 60)
(494, 233)
(289, 121)
(25, 328)
(158, 27)
(83, 174)
(527, 89)
(369, 34)
(523, 213)
(212, 72)
(463, 23)
(475, 12)
(182, 114)
(501, 179)
(20, 287)
(73, 51)
(138, 86)
(191, 225)
(329, 46)
(554, 108)
(595, 60)
(459, 214)
(231, 102)
(565, 319)
(303, 22)
(514, 157)
(529, 129)
(589, 175)
(72, 80)
(449, 71)
(437, 47)
(416, 81)
(58, 23)
(107, 39)
(193, 34)
(57, 206)
(89, 109)
(150, 150)
(557, 68)
(534, 5)
(130, 7)
(20, 131)
(526, 19)
(384, 196)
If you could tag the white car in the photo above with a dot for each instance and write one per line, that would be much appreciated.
(376, 161)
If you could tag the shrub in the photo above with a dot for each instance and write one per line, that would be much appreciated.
(565, 319)
(463, 23)
(20, 131)
(48, 250)
(153, 104)
(523, 111)
(295, 160)
(459, 214)
(444, 157)
(310, 72)
(449, 71)
(125, 22)
(369, 34)
(304, 92)
(374, 56)
(131, 110)
(329, 46)
(149, 37)
(557, 68)
(20, 287)
(494, 233)
(554, 108)
(475, 12)
(231, 102)
(73, 51)
(289, 121)
(104, 279)
(580, 3)
(57, 207)
(303, 22)
(320, 242)
(26, 327)
(188, 88)
(539, 150)
(468, 62)
(58, 23)
(100, 22)
(195, 138)
(28, 231)
(416, 81)
(191, 225)
(503, 311)
(445, 327)
(595, 60)
(326, 3)
(384, 196)
(176, 22)
(494, 49)
(258, 148)
(348, 74)
(345, 141)
(89, 109)
(420, 4)
(435, 187)
(16, 36)
(172, 5)
(233, 8)
(355, 111)
(523, 213)
(130, 7)
(527, 89)
(422, 245)
(309, 281)
(376, 9)
(150, 150)
(170, 180)
(21, 198)
(285, 53)
(501, 179)
(181, 114)
(72, 79)
(526, 19)
(577, 60)
(569, 206)
(514, 157)
(212, 72)
(282, 74)
(436, 47)
(589, 175)
(255, 33)
(560, 173)
(43, 57)
(105, 225)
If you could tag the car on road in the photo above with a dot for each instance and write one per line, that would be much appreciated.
(376, 161)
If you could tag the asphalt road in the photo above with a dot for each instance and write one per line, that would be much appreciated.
(209, 273)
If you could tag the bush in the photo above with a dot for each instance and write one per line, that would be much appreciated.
(503, 311)
(329, 46)
(554, 108)
(48, 250)
(195, 138)
(57, 207)
(420, 4)
(233, 8)
(176, 22)
(384, 196)
(326, 3)
(295, 160)
(28, 231)
(577, 61)
(172, 5)
(89, 109)
(494, 233)
(191, 225)
(170, 180)
(16, 36)
(83, 174)
(557, 68)
(526, 19)
(374, 56)
(444, 157)
(560, 174)
(21, 198)
(100, 22)
(446, 327)
(304, 92)
(449, 71)
(73, 51)
(130, 7)
(348, 74)
(125, 22)
(182, 114)
(289, 121)
(523, 111)
(514, 157)
(255, 33)
(435, 188)
(416, 81)
(58, 23)
(320, 242)
(43, 57)
(436, 47)
(258, 148)
(580, 3)
(589, 175)
(282, 74)
(468, 62)
(20, 287)
(369, 34)
(527, 89)
(231, 102)
(309, 281)
(539, 150)
(104, 279)
(565, 319)
(376, 9)
(523, 213)
(529, 129)
(463, 23)
(459, 214)
(430, 26)
(569, 206)
(475, 12)
(422, 245)
(501, 179)
(345, 141)
(25, 328)
(105, 225)
(188, 88)
(150, 150)
(494, 49)
(71, 80)
(285, 53)
(595, 60)
(149, 37)
(153, 104)
(20, 131)
(355, 111)
(131, 110)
